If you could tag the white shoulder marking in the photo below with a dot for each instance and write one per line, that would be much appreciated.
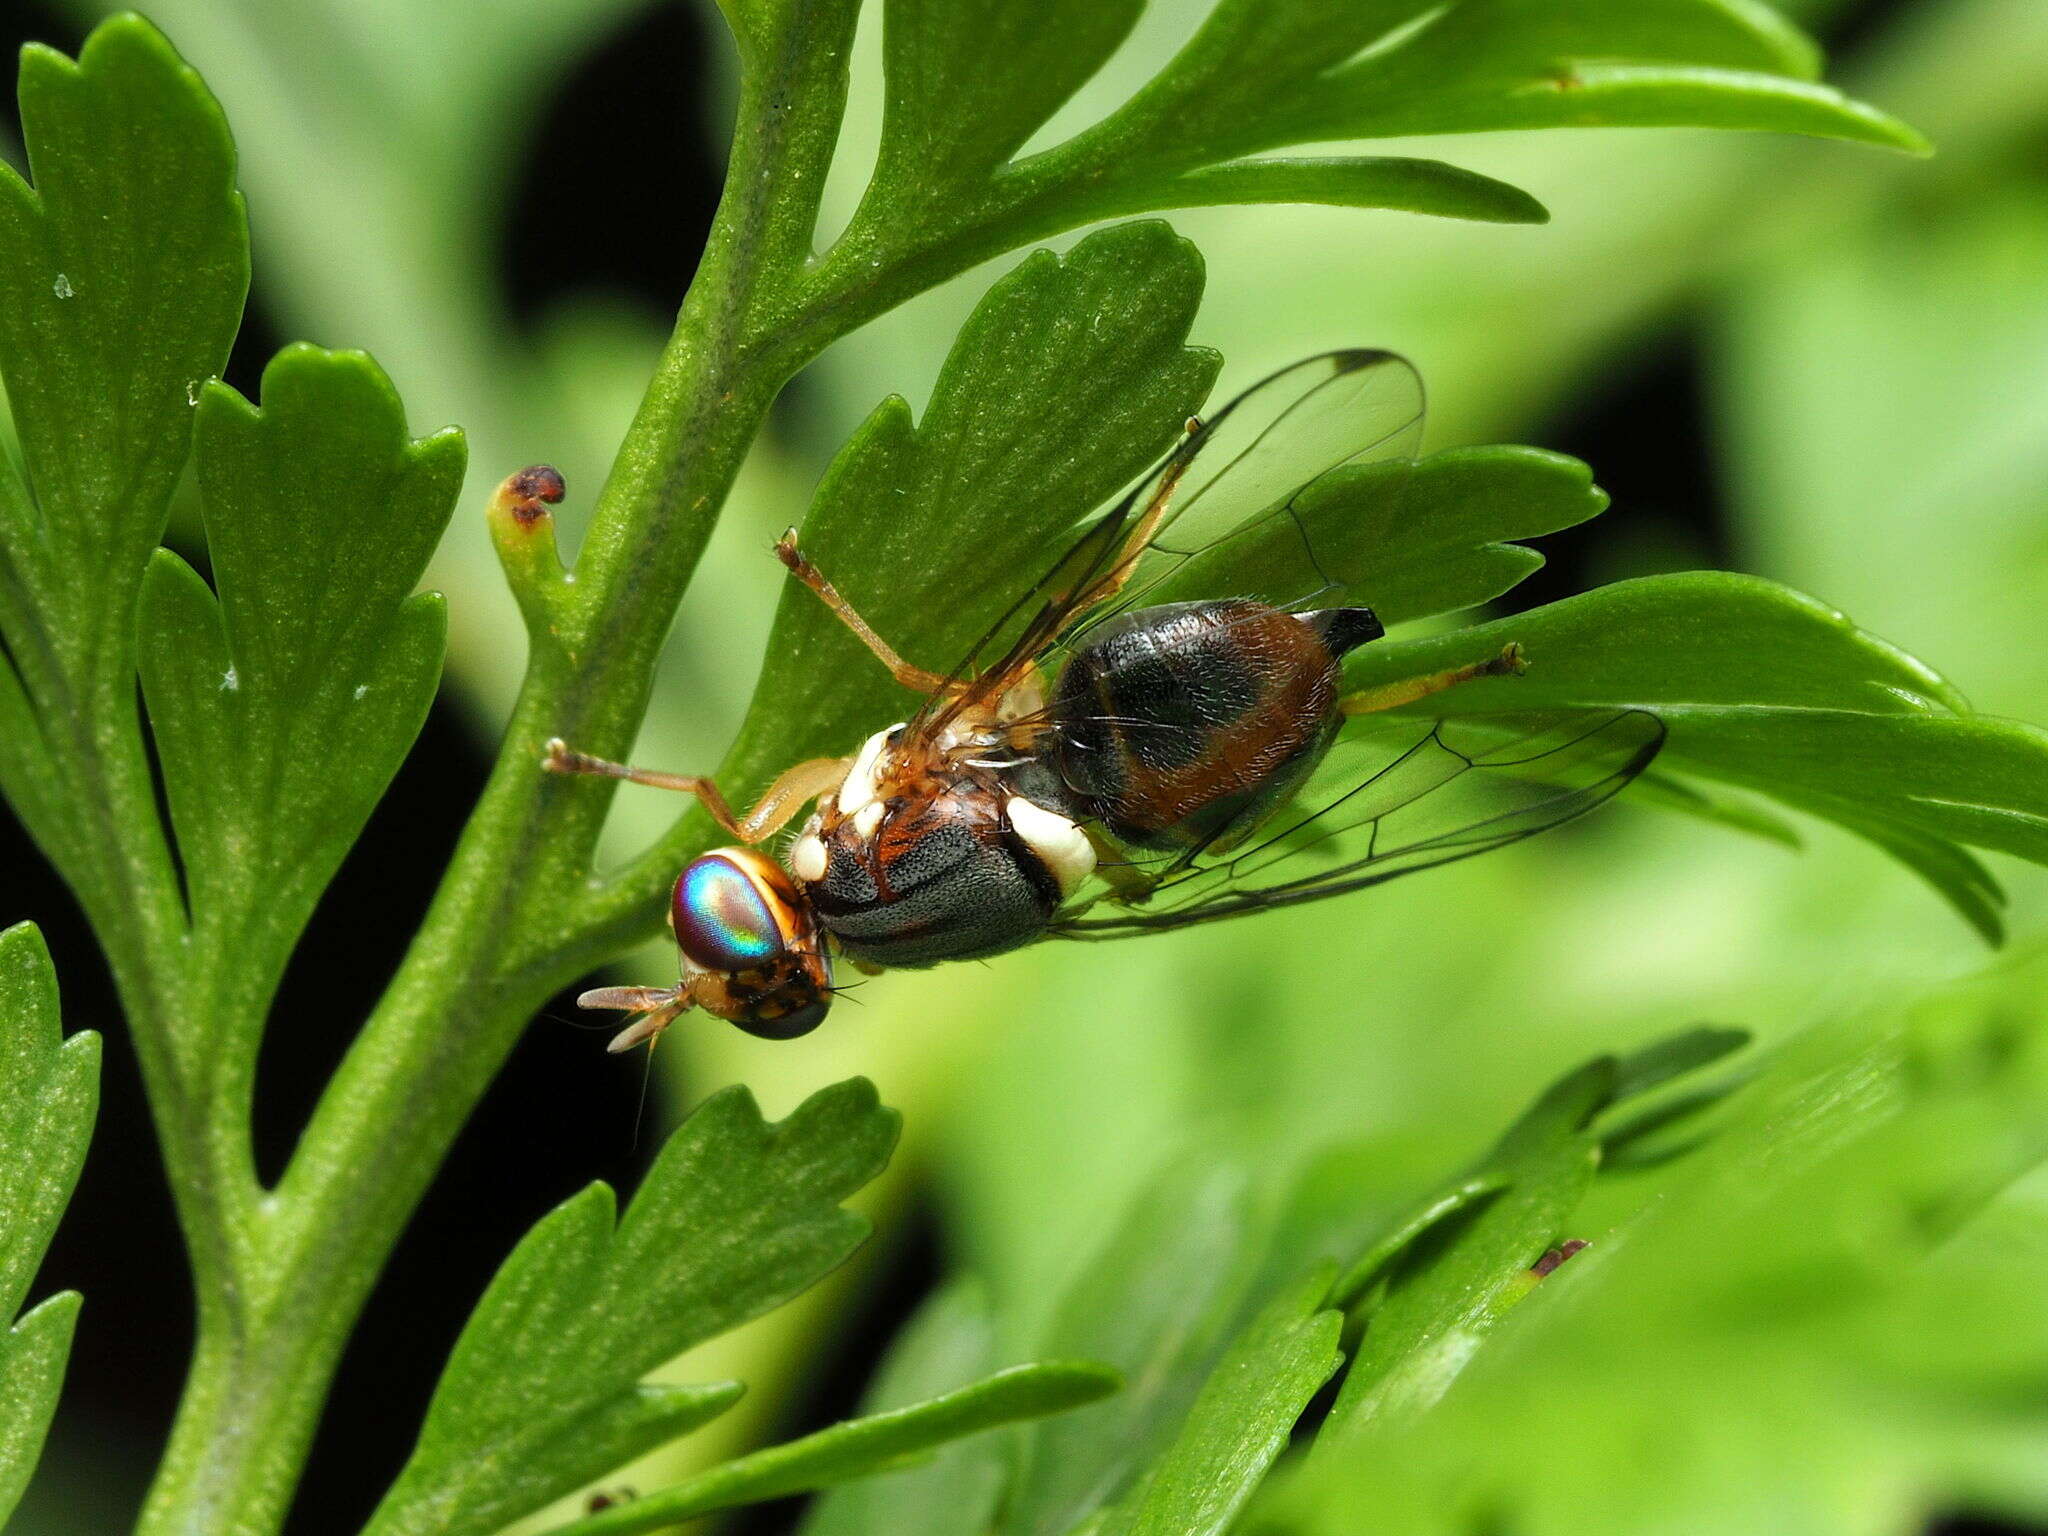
(857, 790)
(807, 858)
(1064, 846)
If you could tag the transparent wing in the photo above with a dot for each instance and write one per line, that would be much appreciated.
(1224, 514)
(1241, 521)
(1393, 797)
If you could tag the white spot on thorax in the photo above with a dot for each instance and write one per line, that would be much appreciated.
(1064, 846)
(807, 858)
(857, 790)
(867, 821)
(62, 287)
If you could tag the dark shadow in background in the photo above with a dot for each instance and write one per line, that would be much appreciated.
(562, 1111)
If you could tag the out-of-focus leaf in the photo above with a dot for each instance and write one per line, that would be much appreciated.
(1844, 1270)
(862, 1447)
(1775, 693)
(1952, 870)
(1452, 1271)
(1674, 1056)
(1675, 794)
(1459, 1278)
(1241, 1420)
(951, 1340)
(542, 1393)
(1151, 1305)
(49, 1093)
(1069, 379)
(121, 280)
(1367, 1269)
(1886, 418)
(283, 707)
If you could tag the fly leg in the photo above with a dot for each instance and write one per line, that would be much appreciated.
(1128, 884)
(790, 792)
(912, 677)
(1369, 701)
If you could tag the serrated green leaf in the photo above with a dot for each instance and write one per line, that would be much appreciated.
(1431, 537)
(121, 281)
(861, 1447)
(49, 1094)
(122, 273)
(1264, 74)
(968, 81)
(1493, 64)
(1775, 693)
(282, 709)
(950, 1341)
(33, 1354)
(1150, 1305)
(1070, 377)
(1241, 1420)
(541, 1394)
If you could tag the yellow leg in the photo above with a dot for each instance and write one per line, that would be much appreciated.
(792, 789)
(913, 677)
(1369, 701)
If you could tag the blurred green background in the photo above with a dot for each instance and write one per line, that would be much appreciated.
(1807, 361)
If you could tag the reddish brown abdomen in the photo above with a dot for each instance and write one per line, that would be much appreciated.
(1185, 725)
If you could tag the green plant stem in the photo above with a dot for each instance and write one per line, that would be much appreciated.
(491, 950)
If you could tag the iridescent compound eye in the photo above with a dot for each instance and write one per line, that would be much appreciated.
(732, 911)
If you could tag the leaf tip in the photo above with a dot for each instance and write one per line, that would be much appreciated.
(1501, 202)
(523, 532)
(81, 1051)
(1073, 1383)
(21, 945)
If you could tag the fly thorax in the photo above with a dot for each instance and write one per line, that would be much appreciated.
(935, 870)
